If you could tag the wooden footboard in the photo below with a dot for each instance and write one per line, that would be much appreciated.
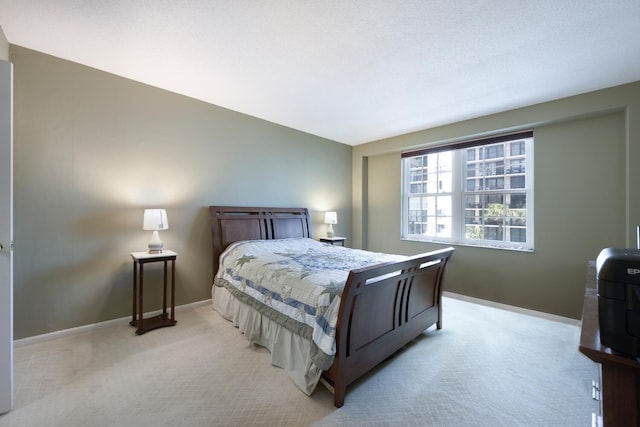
(383, 308)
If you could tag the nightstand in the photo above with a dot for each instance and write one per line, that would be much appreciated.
(163, 319)
(333, 240)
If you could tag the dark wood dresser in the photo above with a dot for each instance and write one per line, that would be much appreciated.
(619, 374)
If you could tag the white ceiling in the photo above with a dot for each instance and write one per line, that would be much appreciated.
(349, 70)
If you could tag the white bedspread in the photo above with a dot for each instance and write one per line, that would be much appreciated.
(295, 282)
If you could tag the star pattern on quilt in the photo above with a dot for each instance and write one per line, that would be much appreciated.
(245, 259)
(313, 261)
(300, 313)
(334, 288)
(268, 298)
(286, 293)
(279, 273)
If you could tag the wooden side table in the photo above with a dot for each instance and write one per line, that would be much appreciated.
(333, 240)
(163, 319)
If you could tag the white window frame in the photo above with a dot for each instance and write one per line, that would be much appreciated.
(458, 193)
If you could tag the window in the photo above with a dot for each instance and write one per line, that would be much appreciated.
(474, 193)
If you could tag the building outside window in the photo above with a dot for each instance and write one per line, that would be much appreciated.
(472, 193)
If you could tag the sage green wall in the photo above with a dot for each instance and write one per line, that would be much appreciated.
(92, 150)
(586, 198)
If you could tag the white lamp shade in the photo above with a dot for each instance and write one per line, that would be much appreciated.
(330, 218)
(155, 219)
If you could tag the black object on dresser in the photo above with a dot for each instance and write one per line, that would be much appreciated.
(618, 286)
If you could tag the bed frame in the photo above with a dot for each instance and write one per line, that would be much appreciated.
(383, 307)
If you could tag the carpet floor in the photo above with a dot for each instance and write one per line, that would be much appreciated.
(486, 367)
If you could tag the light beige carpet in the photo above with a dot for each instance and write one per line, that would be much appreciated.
(487, 367)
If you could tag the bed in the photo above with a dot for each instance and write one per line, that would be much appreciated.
(334, 335)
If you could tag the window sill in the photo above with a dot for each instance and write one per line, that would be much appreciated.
(470, 245)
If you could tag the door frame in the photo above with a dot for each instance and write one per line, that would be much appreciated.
(6, 236)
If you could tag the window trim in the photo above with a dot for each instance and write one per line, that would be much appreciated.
(459, 192)
(470, 143)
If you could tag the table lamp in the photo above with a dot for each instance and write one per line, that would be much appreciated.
(330, 218)
(155, 219)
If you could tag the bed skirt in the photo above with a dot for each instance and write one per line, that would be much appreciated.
(289, 351)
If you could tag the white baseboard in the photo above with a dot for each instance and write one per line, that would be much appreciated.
(96, 326)
(513, 308)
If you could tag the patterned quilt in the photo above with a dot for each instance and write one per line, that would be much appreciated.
(295, 282)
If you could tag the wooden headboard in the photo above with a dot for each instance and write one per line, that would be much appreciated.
(232, 223)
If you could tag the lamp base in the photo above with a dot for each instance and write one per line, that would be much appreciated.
(155, 245)
(330, 233)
